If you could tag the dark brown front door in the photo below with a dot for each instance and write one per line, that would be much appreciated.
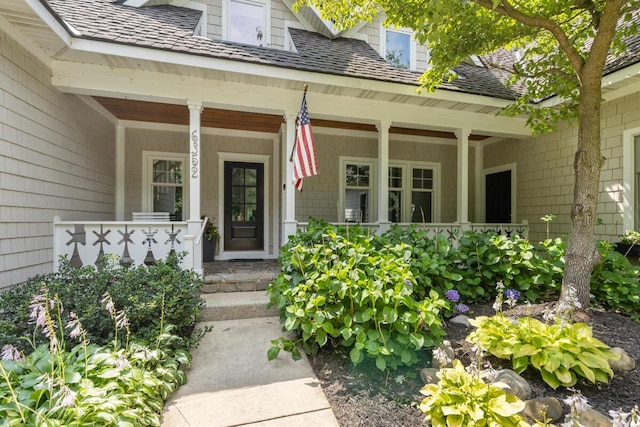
(243, 206)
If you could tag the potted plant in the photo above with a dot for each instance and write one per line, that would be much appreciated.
(629, 244)
(209, 241)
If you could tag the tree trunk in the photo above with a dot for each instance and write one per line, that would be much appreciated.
(581, 254)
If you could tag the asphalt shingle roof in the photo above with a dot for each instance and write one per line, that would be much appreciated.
(171, 28)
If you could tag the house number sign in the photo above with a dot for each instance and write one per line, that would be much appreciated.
(194, 154)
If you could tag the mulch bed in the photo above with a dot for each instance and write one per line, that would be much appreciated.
(365, 396)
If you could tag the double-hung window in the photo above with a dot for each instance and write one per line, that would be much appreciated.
(357, 184)
(248, 21)
(165, 184)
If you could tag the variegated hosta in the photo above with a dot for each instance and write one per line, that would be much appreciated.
(461, 399)
(560, 351)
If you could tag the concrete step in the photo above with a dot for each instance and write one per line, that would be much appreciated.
(235, 306)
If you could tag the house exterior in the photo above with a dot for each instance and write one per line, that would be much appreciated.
(112, 110)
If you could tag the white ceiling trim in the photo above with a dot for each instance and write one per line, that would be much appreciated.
(160, 87)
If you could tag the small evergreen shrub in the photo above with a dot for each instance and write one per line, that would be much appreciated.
(143, 292)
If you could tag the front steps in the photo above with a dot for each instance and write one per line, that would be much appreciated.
(236, 290)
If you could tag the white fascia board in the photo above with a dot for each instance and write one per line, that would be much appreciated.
(271, 71)
(307, 25)
(15, 34)
(160, 87)
(135, 3)
(44, 14)
(609, 79)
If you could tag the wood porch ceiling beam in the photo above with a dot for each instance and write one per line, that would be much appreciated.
(156, 112)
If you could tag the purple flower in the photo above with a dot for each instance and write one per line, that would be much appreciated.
(512, 294)
(461, 308)
(9, 352)
(453, 295)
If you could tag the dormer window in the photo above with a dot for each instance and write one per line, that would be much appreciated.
(399, 48)
(248, 21)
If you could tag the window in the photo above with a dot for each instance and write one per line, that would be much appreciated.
(422, 195)
(357, 183)
(164, 185)
(248, 22)
(412, 192)
(399, 48)
(395, 193)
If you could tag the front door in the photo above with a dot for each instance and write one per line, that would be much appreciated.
(498, 198)
(243, 206)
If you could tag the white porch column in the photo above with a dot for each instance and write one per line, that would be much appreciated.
(290, 223)
(463, 175)
(480, 195)
(120, 176)
(383, 174)
(194, 221)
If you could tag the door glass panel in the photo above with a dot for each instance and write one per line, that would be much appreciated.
(237, 195)
(251, 195)
(251, 209)
(395, 204)
(421, 206)
(250, 177)
(237, 176)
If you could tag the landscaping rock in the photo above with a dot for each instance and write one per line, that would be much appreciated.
(428, 375)
(517, 385)
(592, 418)
(625, 363)
(461, 319)
(543, 407)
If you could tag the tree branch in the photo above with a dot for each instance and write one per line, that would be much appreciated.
(506, 9)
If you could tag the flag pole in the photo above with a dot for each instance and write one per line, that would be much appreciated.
(295, 140)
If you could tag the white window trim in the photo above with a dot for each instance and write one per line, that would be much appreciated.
(246, 158)
(226, 17)
(147, 168)
(483, 197)
(407, 187)
(372, 203)
(628, 172)
(414, 44)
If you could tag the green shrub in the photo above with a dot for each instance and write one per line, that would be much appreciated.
(337, 286)
(123, 385)
(140, 291)
(615, 284)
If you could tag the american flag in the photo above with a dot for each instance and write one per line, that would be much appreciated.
(305, 162)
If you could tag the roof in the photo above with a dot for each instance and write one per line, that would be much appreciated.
(170, 28)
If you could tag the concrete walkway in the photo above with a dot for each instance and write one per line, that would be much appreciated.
(231, 383)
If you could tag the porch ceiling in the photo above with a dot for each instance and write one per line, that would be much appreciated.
(157, 112)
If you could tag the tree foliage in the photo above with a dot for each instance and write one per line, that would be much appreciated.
(550, 42)
(552, 54)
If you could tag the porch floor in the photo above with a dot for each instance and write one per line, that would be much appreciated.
(238, 276)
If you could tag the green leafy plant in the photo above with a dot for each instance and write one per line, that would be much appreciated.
(142, 292)
(89, 384)
(561, 351)
(461, 399)
(211, 229)
(338, 287)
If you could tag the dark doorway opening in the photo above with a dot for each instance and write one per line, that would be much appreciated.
(243, 206)
(498, 198)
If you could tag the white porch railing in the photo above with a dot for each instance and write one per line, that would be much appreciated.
(135, 243)
(451, 231)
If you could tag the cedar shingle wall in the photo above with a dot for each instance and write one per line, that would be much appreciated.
(545, 174)
(56, 158)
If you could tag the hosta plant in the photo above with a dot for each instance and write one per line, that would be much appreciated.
(124, 383)
(463, 399)
(560, 351)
